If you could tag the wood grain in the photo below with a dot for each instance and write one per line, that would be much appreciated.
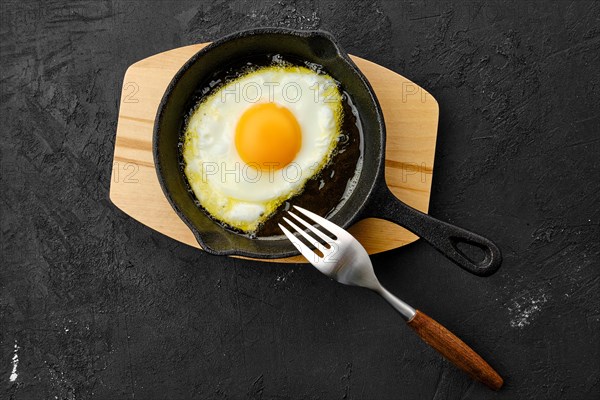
(455, 350)
(411, 117)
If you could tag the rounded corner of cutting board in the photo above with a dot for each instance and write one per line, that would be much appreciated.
(411, 116)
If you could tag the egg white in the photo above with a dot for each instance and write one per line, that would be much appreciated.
(229, 189)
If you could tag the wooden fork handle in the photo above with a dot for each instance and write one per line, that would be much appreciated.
(455, 350)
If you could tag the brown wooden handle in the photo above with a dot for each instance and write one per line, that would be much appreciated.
(455, 350)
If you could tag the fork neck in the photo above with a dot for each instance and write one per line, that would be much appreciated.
(404, 309)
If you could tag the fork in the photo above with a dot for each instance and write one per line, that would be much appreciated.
(341, 257)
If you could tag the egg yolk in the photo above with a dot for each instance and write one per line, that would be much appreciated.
(268, 136)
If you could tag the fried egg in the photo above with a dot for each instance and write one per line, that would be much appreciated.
(255, 141)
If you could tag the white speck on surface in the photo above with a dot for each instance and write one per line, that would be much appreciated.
(524, 309)
(282, 279)
(60, 383)
(15, 363)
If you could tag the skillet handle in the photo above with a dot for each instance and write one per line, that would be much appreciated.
(443, 236)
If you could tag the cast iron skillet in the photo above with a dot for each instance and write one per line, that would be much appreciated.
(371, 198)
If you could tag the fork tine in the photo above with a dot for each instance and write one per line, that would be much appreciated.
(330, 226)
(306, 236)
(302, 248)
(317, 232)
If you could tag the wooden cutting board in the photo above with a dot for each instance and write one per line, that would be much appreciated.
(411, 118)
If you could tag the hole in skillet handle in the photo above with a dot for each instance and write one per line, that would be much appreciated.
(475, 252)
(450, 240)
(460, 245)
(484, 256)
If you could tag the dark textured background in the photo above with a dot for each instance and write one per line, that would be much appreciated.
(101, 307)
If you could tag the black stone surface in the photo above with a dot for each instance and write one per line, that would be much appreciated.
(95, 306)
